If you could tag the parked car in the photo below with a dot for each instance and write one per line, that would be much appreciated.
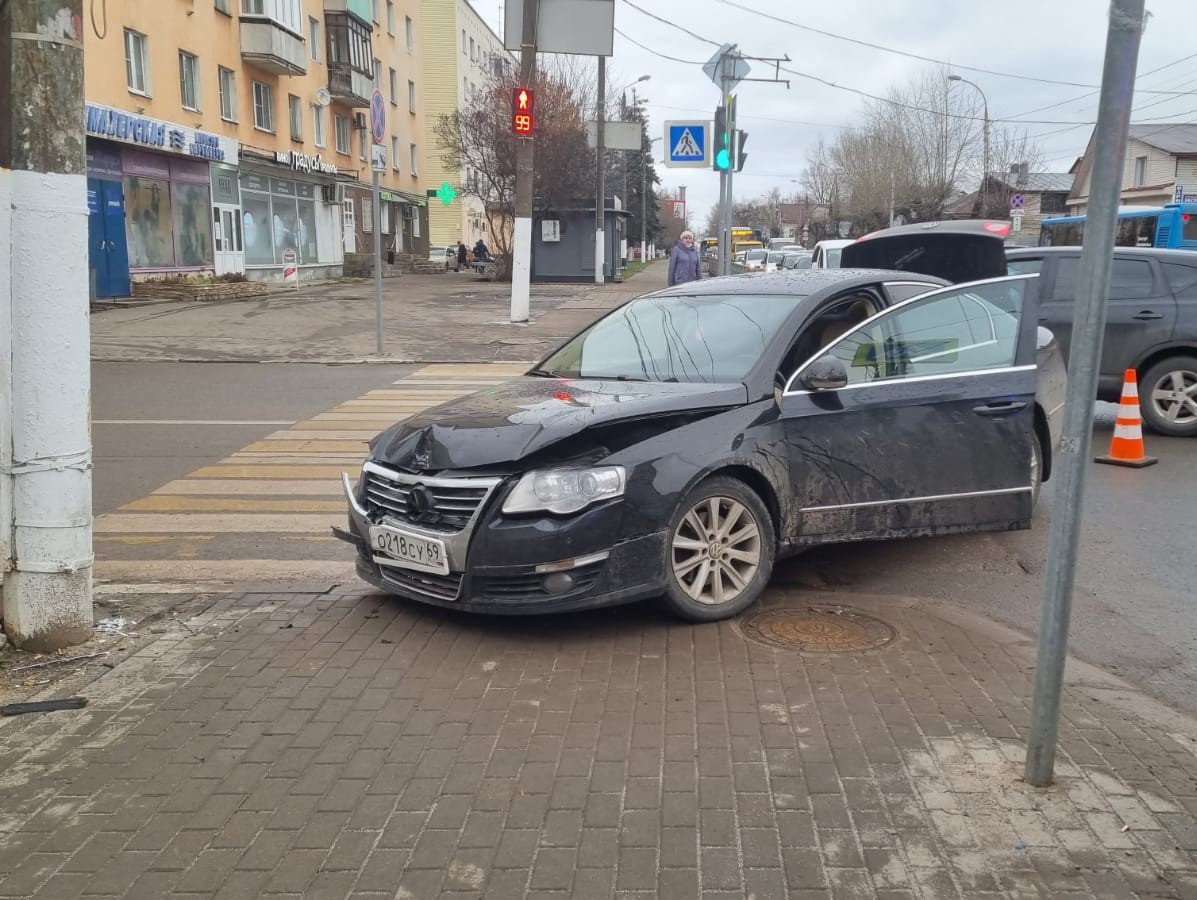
(773, 260)
(754, 259)
(827, 254)
(446, 255)
(688, 439)
(1151, 324)
(796, 259)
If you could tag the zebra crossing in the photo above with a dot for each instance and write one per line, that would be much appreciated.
(263, 513)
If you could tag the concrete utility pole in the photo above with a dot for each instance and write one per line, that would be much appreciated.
(521, 263)
(985, 162)
(1109, 153)
(44, 323)
(600, 206)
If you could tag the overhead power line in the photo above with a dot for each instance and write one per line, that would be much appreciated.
(931, 59)
(627, 37)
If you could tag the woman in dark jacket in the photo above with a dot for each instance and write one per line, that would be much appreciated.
(684, 264)
(463, 257)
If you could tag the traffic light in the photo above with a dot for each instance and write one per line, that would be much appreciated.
(741, 156)
(723, 148)
(523, 111)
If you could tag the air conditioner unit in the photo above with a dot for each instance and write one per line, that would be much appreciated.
(359, 121)
(333, 193)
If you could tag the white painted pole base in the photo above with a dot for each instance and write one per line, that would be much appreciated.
(521, 271)
(47, 598)
(600, 252)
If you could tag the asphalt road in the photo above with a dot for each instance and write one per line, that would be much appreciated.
(1133, 610)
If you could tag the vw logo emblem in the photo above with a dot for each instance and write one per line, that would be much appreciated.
(420, 501)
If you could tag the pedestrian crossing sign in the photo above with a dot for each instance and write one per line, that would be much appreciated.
(688, 144)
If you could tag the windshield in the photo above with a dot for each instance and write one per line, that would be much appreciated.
(756, 254)
(690, 339)
(776, 256)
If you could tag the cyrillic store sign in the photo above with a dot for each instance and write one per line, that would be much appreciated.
(117, 125)
(304, 162)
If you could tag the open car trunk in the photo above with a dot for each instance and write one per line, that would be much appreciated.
(956, 251)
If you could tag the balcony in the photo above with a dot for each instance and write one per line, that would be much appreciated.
(270, 47)
(363, 9)
(350, 58)
(348, 85)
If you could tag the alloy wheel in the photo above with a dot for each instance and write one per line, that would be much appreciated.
(1175, 397)
(716, 550)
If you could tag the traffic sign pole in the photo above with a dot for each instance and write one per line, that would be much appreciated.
(378, 131)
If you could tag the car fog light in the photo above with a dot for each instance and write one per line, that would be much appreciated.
(558, 584)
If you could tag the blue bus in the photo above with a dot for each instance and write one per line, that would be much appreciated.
(1173, 225)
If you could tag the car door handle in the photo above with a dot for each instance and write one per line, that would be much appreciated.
(1004, 408)
(1147, 315)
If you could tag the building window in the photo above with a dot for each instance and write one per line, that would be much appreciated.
(415, 221)
(137, 63)
(394, 88)
(1140, 171)
(1054, 202)
(463, 41)
(295, 109)
(465, 88)
(390, 17)
(409, 29)
(314, 37)
(415, 160)
(378, 75)
(223, 6)
(395, 154)
(411, 97)
(287, 13)
(263, 106)
(473, 51)
(318, 121)
(376, 19)
(362, 139)
(228, 94)
(189, 80)
(341, 124)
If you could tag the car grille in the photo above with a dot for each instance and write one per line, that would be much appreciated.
(421, 586)
(451, 512)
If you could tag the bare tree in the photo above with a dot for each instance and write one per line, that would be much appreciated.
(480, 140)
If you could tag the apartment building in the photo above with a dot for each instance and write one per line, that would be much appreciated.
(222, 134)
(463, 56)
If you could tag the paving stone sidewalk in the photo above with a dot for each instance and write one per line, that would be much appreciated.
(426, 318)
(344, 744)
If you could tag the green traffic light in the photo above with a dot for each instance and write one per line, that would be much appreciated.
(723, 159)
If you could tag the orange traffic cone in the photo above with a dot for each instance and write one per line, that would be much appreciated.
(1126, 447)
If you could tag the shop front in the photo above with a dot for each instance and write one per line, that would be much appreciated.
(404, 219)
(150, 198)
(290, 201)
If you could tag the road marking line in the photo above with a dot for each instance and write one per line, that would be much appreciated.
(204, 523)
(137, 539)
(226, 570)
(244, 471)
(271, 445)
(192, 422)
(175, 503)
(322, 435)
(374, 423)
(324, 488)
(349, 463)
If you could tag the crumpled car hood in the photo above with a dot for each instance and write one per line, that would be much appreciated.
(513, 420)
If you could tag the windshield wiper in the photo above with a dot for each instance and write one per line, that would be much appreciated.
(543, 373)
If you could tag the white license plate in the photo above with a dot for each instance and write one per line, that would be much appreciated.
(396, 547)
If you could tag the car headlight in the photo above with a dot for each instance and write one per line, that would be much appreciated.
(565, 491)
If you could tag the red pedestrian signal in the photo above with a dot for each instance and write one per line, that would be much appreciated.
(523, 111)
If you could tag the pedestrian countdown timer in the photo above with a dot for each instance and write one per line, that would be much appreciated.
(523, 111)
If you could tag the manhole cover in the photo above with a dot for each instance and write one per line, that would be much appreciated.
(817, 629)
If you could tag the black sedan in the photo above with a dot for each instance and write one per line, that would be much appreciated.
(684, 442)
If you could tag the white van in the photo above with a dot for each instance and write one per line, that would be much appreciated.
(827, 254)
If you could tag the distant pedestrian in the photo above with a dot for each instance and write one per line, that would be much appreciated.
(684, 264)
(480, 251)
(463, 256)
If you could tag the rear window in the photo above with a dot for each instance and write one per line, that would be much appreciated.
(1130, 279)
(1024, 266)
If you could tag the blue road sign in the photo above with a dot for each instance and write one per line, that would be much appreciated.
(688, 144)
(1017, 201)
(378, 116)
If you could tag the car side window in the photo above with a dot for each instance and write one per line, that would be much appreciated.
(899, 291)
(1182, 279)
(1130, 279)
(961, 330)
(1031, 266)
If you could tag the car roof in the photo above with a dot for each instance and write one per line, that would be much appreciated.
(1163, 254)
(791, 281)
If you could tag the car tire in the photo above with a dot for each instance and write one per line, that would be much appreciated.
(1159, 388)
(696, 589)
(1036, 468)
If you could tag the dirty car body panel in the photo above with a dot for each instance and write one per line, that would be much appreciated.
(698, 380)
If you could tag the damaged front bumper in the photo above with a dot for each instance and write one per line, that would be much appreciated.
(513, 565)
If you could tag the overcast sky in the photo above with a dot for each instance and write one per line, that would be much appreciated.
(1055, 40)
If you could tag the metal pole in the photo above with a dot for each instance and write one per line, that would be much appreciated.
(521, 256)
(1109, 140)
(644, 208)
(729, 62)
(377, 213)
(47, 465)
(985, 179)
(600, 204)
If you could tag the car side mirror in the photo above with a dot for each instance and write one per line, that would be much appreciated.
(827, 373)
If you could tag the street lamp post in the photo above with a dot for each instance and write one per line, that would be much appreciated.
(985, 173)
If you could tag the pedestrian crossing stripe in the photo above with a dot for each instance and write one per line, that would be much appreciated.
(282, 491)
